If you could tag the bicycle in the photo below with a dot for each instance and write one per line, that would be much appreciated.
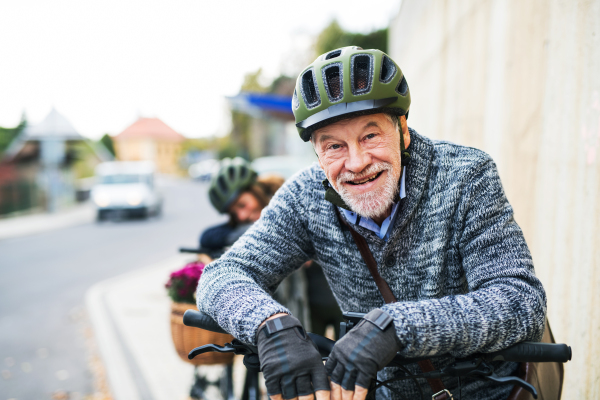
(475, 366)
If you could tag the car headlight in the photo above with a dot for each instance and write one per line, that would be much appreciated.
(101, 199)
(134, 198)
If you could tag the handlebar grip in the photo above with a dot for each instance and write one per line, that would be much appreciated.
(194, 251)
(534, 352)
(201, 320)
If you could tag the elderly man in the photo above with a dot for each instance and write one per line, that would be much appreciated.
(416, 233)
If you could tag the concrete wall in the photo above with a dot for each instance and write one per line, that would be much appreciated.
(521, 80)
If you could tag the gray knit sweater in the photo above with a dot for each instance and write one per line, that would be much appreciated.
(456, 261)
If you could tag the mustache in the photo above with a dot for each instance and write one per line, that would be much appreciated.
(368, 171)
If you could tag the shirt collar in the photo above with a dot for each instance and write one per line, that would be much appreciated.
(382, 232)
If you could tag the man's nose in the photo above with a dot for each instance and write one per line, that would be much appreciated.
(357, 160)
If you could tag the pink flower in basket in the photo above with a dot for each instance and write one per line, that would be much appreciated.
(182, 284)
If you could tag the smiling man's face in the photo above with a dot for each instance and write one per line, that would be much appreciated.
(361, 158)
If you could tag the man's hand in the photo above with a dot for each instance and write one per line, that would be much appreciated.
(357, 357)
(204, 258)
(290, 362)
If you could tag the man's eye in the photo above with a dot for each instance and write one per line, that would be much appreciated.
(370, 136)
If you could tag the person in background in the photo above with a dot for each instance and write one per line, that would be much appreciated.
(236, 189)
(324, 310)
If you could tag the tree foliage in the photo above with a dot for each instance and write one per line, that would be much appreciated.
(7, 135)
(252, 82)
(107, 142)
(334, 36)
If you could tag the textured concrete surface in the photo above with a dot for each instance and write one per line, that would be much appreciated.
(130, 316)
(520, 81)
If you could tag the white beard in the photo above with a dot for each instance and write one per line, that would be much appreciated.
(374, 203)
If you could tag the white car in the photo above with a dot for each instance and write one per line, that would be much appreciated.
(126, 189)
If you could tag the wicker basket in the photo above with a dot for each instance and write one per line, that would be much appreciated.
(186, 338)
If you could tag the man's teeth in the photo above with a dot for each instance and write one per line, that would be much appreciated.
(364, 180)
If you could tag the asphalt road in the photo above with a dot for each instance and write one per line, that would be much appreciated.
(44, 278)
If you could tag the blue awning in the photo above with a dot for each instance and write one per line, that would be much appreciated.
(252, 102)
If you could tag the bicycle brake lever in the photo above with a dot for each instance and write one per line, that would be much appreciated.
(515, 380)
(235, 347)
(228, 348)
(486, 371)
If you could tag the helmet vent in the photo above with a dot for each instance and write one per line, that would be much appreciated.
(295, 102)
(310, 92)
(361, 73)
(333, 79)
(388, 70)
(402, 87)
(333, 54)
(222, 184)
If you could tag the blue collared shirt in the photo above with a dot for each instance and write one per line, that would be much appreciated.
(384, 231)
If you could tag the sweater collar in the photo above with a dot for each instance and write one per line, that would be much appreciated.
(421, 156)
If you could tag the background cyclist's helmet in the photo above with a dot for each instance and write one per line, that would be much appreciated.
(234, 176)
(345, 82)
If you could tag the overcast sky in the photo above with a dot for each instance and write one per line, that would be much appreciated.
(103, 64)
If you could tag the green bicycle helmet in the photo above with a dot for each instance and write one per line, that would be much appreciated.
(348, 81)
(234, 176)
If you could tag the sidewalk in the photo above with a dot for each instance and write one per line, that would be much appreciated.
(37, 223)
(130, 317)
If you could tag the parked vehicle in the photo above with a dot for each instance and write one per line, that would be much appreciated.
(203, 170)
(126, 189)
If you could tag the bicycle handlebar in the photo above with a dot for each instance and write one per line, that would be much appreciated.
(520, 352)
(534, 352)
(201, 320)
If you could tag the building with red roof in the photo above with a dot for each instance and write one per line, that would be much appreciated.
(150, 139)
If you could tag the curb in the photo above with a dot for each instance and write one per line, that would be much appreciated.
(130, 319)
(38, 223)
(120, 379)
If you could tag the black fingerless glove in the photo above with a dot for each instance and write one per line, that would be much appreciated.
(289, 360)
(366, 349)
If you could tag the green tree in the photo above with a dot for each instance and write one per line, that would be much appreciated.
(84, 159)
(252, 82)
(7, 135)
(334, 36)
(107, 142)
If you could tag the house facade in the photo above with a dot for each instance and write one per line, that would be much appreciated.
(150, 139)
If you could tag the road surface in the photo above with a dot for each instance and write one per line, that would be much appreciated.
(44, 330)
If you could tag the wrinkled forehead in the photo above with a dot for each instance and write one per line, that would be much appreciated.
(356, 123)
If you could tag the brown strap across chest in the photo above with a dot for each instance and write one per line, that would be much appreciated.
(426, 366)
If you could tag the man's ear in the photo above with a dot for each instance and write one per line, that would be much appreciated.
(405, 132)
